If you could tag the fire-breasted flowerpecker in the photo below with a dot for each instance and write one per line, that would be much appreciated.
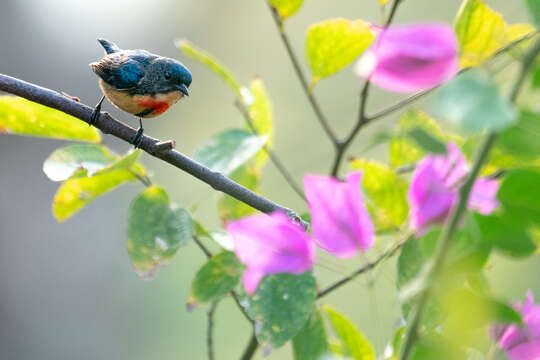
(140, 83)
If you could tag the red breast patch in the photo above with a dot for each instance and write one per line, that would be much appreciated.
(159, 107)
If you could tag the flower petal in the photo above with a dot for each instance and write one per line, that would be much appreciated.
(340, 221)
(411, 58)
(483, 198)
(271, 244)
(251, 280)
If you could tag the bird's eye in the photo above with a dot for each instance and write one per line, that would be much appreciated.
(167, 75)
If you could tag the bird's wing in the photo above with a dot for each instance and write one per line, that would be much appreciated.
(122, 71)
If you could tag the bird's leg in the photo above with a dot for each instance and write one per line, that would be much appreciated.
(96, 112)
(138, 136)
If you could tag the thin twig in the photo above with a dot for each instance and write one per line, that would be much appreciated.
(362, 116)
(271, 154)
(370, 265)
(439, 259)
(210, 330)
(203, 247)
(250, 348)
(300, 74)
(108, 125)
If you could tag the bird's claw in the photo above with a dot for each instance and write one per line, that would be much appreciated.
(137, 139)
(96, 112)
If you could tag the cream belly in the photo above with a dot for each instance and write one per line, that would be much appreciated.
(137, 104)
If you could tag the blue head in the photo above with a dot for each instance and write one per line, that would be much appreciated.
(177, 75)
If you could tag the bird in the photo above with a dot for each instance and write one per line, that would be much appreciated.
(139, 82)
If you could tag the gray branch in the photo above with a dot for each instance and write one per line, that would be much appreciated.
(108, 125)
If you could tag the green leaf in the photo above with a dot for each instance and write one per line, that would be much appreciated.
(260, 111)
(286, 8)
(79, 191)
(155, 231)
(65, 161)
(480, 32)
(354, 344)
(333, 44)
(433, 347)
(426, 141)
(231, 209)
(521, 140)
(210, 62)
(311, 343)
(474, 104)
(215, 279)
(230, 149)
(22, 117)
(403, 149)
(507, 235)
(386, 194)
(520, 195)
(397, 340)
(281, 306)
(536, 75)
(534, 9)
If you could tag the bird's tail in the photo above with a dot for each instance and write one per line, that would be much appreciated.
(109, 47)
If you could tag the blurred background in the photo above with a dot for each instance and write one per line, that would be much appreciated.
(67, 291)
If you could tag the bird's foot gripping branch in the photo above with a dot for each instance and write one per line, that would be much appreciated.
(444, 221)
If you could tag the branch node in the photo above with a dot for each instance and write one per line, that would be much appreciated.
(164, 145)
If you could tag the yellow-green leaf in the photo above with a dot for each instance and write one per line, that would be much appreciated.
(286, 8)
(354, 343)
(333, 44)
(78, 191)
(386, 194)
(383, 2)
(156, 230)
(516, 32)
(215, 279)
(210, 62)
(480, 32)
(404, 149)
(23, 117)
(260, 111)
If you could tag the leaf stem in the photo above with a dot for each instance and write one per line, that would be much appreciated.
(300, 74)
(457, 212)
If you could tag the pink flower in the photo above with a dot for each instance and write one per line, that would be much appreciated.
(339, 220)
(411, 58)
(434, 189)
(270, 244)
(521, 343)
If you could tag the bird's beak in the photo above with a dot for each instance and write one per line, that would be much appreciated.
(183, 88)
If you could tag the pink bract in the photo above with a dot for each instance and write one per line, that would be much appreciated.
(270, 244)
(340, 222)
(434, 189)
(521, 343)
(411, 58)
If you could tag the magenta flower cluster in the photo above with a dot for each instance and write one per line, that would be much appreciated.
(402, 59)
(270, 244)
(521, 343)
(434, 189)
